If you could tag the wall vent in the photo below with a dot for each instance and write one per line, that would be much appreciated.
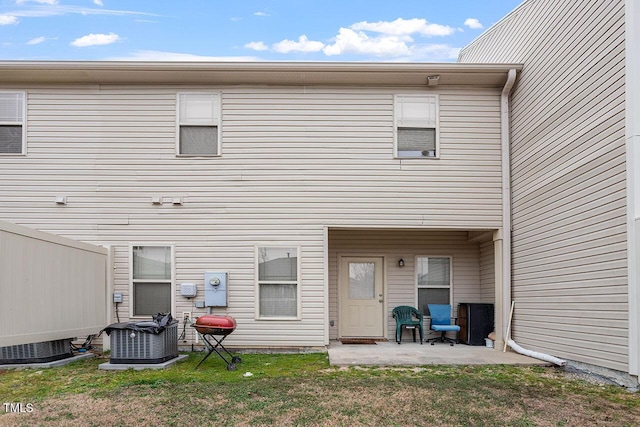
(41, 352)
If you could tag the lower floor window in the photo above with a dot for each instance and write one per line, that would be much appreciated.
(278, 300)
(433, 276)
(278, 282)
(151, 278)
(151, 298)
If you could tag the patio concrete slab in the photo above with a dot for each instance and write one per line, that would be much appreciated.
(108, 366)
(413, 354)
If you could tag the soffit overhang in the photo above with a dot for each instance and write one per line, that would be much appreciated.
(250, 73)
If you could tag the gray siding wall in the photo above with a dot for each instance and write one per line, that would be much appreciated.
(294, 159)
(568, 176)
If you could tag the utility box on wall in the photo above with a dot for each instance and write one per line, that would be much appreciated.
(215, 288)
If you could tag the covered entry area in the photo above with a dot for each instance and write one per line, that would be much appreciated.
(372, 270)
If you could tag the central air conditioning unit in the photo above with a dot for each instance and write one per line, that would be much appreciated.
(41, 352)
(130, 346)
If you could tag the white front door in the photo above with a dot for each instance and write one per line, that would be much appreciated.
(361, 297)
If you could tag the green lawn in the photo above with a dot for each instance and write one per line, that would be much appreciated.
(304, 390)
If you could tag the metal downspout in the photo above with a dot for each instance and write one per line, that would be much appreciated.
(506, 197)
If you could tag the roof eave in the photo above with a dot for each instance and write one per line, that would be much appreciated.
(257, 73)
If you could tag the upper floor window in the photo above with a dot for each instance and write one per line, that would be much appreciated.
(198, 118)
(416, 122)
(12, 123)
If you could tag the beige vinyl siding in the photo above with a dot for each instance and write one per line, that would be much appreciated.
(400, 282)
(487, 273)
(52, 288)
(98, 145)
(568, 176)
(294, 159)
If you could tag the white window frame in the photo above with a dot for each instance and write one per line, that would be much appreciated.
(131, 280)
(22, 123)
(399, 122)
(258, 282)
(417, 286)
(216, 120)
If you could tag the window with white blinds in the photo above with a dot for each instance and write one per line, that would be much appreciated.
(12, 123)
(198, 124)
(416, 121)
(433, 280)
(278, 286)
(151, 279)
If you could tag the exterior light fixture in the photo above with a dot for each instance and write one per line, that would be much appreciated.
(400, 262)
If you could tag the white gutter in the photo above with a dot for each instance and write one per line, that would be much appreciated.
(506, 226)
(22, 73)
(506, 198)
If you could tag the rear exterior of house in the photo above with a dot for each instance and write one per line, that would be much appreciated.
(305, 183)
(572, 142)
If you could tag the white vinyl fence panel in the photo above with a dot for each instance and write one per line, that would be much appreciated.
(50, 287)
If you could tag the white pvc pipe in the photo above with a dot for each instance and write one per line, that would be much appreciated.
(536, 355)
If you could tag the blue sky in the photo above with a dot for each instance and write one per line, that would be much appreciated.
(244, 30)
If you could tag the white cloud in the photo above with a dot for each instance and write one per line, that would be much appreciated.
(404, 27)
(55, 9)
(98, 3)
(382, 39)
(256, 46)
(154, 55)
(37, 1)
(95, 39)
(473, 23)
(261, 14)
(434, 52)
(399, 40)
(349, 41)
(37, 40)
(8, 20)
(302, 45)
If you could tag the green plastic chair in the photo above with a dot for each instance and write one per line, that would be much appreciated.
(408, 317)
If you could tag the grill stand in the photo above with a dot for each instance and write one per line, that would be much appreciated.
(231, 363)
